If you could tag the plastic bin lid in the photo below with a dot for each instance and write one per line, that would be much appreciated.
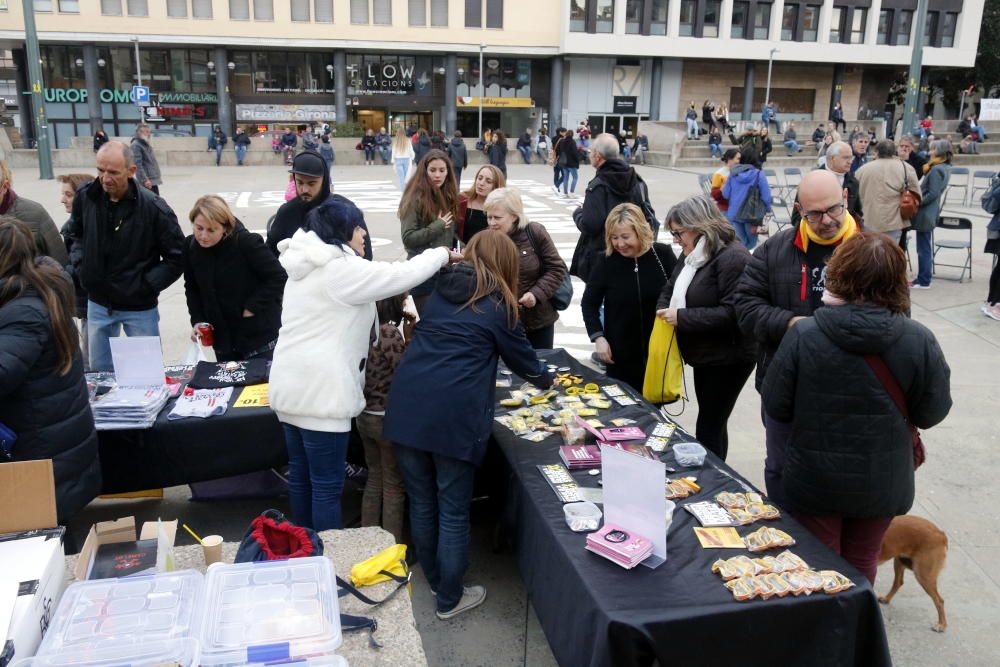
(311, 661)
(183, 652)
(125, 621)
(270, 611)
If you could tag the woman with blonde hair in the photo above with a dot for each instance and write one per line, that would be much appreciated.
(447, 377)
(471, 203)
(541, 269)
(402, 156)
(233, 282)
(627, 281)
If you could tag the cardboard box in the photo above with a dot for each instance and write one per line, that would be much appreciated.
(36, 560)
(27, 496)
(119, 530)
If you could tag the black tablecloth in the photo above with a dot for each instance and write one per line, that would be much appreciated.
(191, 450)
(595, 613)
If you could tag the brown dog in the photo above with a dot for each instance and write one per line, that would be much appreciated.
(917, 544)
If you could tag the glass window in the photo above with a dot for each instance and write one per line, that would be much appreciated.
(359, 11)
(905, 27)
(739, 28)
(473, 13)
(300, 10)
(577, 16)
(382, 12)
(789, 18)
(177, 8)
(884, 23)
(323, 11)
(689, 8)
(418, 12)
(239, 10)
(3, 5)
(712, 15)
(138, 7)
(69, 6)
(633, 16)
(930, 28)
(43, 5)
(810, 23)
(263, 10)
(111, 7)
(858, 20)
(658, 21)
(948, 29)
(494, 14)
(837, 25)
(605, 11)
(201, 9)
(439, 13)
(762, 22)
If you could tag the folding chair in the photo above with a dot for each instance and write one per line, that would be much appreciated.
(793, 176)
(705, 183)
(981, 180)
(772, 182)
(954, 224)
(781, 212)
(959, 181)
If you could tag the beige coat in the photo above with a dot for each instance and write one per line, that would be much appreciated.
(881, 183)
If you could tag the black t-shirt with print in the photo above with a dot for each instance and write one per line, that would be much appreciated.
(817, 256)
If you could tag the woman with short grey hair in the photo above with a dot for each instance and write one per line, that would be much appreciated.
(699, 300)
(937, 173)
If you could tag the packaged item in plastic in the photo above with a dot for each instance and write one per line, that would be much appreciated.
(834, 582)
(599, 403)
(812, 580)
(790, 562)
(757, 541)
(743, 588)
(731, 500)
(741, 515)
(511, 402)
(777, 584)
(768, 564)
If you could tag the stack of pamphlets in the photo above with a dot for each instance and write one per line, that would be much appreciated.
(580, 456)
(619, 545)
(129, 407)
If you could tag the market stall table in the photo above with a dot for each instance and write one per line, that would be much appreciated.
(595, 613)
(397, 631)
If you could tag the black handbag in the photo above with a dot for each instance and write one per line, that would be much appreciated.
(564, 293)
(752, 209)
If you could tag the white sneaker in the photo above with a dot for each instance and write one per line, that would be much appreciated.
(472, 597)
(985, 308)
(555, 190)
(993, 312)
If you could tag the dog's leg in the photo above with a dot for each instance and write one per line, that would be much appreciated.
(897, 581)
(926, 571)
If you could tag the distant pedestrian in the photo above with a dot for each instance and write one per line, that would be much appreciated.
(241, 143)
(327, 153)
(402, 157)
(100, 138)
(368, 145)
(937, 173)
(715, 142)
(881, 183)
(147, 169)
(217, 142)
(497, 152)
(691, 118)
(43, 229)
(790, 140)
(459, 156)
(524, 145)
(837, 117)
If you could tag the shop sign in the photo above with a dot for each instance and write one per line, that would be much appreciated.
(388, 78)
(497, 102)
(9, 100)
(285, 112)
(624, 104)
(178, 111)
(188, 98)
(79, 95)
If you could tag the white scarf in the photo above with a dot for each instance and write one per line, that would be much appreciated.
(692, 263)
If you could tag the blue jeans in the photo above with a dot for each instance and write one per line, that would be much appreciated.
(692, 128)
(315, 475)
(980, 132)
(792, 146)
(627, 153)
(525, 152)
(567, 172)
(241, 153)
(385, 153)
(402, 166)
(440, 491)
(744, 235)
(103, 324)
(557, 176)
(925, 258)
(716, 149)
(218, 154)
(369, 153)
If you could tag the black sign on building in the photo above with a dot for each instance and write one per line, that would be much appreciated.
(624, 104)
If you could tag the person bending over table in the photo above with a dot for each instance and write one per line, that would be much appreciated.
(233, 282)
(626, 281)
(849, 461)
(318, 374)
(439, 413)
(699, 299)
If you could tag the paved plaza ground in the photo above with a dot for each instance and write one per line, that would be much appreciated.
(956, 488)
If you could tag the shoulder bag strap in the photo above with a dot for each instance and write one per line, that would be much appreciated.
(657, 256)
(906, 180)
(890, 384)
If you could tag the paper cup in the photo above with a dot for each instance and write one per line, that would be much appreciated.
(212, 546)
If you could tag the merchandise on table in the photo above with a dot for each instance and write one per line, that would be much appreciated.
(209, 375)
(796, 582)
(619, 545)
(202, 403)
(710, 514)
(689, 454)
(747, 507)
(739, 566)
(129, 407)
(682, 487)
(718, 538)
(582, 516)
(766, 538)
(561, 482)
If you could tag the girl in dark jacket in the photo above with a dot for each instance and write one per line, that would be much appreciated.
(368, 144)
(700, 301)
(421, 145)
(43, 395)
(627, 281)
(568, 159)
(848, 466)
(542, 270)
(233, 282)
(447, 380)
(497, 152)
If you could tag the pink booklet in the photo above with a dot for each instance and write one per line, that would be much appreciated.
(621, 433)
(619, 545)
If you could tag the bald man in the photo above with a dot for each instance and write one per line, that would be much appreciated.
(126, 248)
(783, 283)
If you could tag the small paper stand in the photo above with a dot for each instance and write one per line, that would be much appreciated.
(138, 361)
(635, 499)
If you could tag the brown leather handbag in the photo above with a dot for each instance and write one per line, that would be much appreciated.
(909, 201)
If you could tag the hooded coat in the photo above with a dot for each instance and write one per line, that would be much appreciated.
(737, 187)
(317, 377)
(446, 382)
(850, 453)
(458, 154)
(47, 237)
(147, 168)
(421, 147)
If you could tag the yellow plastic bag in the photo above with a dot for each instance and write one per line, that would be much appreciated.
(664, 381)
(373, 570)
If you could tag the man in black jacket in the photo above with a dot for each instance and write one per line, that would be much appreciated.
(312, 188)
(783, 283)
(524, 146)
(459, 156)
(615, 183)
(126, 248)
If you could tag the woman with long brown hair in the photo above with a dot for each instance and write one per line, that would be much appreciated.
(446, 383)
(471, 203)
(43, 394)
(427, 212)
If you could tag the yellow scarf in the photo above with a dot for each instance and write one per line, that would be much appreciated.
(807, 235)
(934, 161)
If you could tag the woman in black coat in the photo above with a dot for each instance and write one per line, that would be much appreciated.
(627, 281)
(568, 159)
(848, 466)
(497, 152)
(421, 146)
(233, 282)
(43, 394)
(700, 301)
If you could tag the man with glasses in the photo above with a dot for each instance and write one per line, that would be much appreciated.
(784, 282)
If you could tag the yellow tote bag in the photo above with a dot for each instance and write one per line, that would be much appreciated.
(385, 565)
(664, 379)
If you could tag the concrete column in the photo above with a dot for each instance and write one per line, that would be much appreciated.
(748, 83)
(871, 28)
(777, 11)
(825, 22)
(222, 90)
(673, 18)
(340, 85)
(450, 90)
(837, 87)
(93, 81)
(618, 24)
(24, 98)
(555, 94)
(726, 22)
(655, 88)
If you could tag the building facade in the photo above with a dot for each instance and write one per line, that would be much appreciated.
(416, 63)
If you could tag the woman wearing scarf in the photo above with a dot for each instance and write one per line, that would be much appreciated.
(937, 173)
(699, 300)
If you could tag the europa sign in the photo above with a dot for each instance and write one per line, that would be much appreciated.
(79, 95)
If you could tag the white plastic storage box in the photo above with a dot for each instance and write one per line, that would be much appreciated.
(270, 611)
(143, 620)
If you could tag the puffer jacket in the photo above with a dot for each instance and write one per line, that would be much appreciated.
(50, 413)
(146, 166)
(850, 453)
(541, 272)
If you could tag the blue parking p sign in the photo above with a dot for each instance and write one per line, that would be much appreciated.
(140, 95)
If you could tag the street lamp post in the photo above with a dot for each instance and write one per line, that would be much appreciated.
(770, 63)
(482, 88)
(34, 59)
(138, 78)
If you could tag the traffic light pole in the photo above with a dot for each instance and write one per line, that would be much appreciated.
(916, 64)
(34, 59)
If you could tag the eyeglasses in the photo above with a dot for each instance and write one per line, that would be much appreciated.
(816, 217)
(677, 234)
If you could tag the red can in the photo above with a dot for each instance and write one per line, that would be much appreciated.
(206, 333)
